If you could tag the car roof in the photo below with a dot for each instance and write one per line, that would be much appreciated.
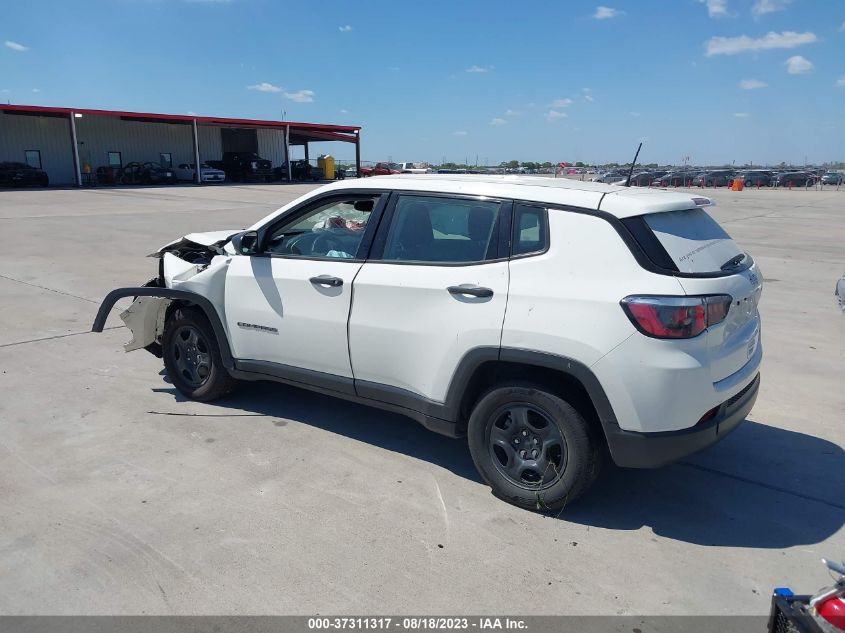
(617, 200)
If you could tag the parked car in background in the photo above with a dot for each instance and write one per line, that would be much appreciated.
(244, 166)
(413, 168)
(720, 178)
(380, 169)
(676, 179)
(756, 178)
(833, 178)
(644, 179)
(794, 179)
(148, 173)
(460, 329)
(299, 170)
(14, 174)
(610, 177)
(188, 172)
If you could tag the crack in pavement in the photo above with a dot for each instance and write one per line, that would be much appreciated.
(60, 292)
(50, 338)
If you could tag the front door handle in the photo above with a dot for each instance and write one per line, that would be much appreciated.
(475, 291)
(324, 280)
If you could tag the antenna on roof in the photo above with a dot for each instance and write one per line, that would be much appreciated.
(631, 172)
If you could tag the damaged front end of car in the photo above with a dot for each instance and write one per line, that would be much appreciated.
(191, 271)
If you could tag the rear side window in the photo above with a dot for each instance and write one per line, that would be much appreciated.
(691, 240)
(529, 230)
(440, 229)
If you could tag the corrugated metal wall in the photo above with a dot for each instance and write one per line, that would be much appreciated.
(137, 141)
(49, 135)
(210, 142)
(271, 145)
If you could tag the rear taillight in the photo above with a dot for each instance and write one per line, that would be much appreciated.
(675, 317)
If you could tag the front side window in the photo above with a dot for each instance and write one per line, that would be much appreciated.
(437, 229)
(333, 230)
(115, 159)
(165, 159)
(33, 158)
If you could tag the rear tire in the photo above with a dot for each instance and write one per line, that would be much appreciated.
(534, 449)
(192, 356)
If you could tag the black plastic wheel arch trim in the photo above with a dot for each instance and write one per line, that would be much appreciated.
(170, 293)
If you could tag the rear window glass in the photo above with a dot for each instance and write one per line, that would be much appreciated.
(693, 240)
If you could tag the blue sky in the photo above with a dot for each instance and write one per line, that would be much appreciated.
(715, 80)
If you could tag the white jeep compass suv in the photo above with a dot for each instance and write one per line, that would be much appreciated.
(554, 323)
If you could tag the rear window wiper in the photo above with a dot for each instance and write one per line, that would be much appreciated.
(733, 261)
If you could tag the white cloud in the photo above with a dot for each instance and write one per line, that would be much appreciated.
(842, 27)
(36, 90)
(479, 69)
(300, 96)
(744, 44)
(797, 65)
(16, 47)
(498, 121)
(553, 115)
(459, 133)
(752, 84)
(342, 111)
(716, 8)
(510, 112)
(605, 13)
(741, 115)
(840, 83)
(634, 113)
(345, 28)
(588, 93)
(762, 7)
(191, 113)
(561, 103)
(264, 87)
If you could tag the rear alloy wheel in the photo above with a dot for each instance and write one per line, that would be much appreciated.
(532, 448)
(192, 356)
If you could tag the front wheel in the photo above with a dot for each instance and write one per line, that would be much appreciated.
(192, 356)
(533, 449)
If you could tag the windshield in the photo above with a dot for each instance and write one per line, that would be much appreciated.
(693, 240)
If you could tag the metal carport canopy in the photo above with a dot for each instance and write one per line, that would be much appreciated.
(296, 132)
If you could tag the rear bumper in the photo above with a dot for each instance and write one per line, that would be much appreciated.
(649, 450)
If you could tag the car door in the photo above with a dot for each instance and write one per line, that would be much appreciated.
(434, 288)
(287, 306)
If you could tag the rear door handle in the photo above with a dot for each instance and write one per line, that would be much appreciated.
(324, 280)
(475, 291)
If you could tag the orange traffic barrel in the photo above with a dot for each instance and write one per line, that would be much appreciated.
(737, 184)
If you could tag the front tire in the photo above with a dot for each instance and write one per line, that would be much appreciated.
(192, 356)
(534, 449)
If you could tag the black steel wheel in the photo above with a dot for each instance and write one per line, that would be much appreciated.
(533, 448)
(526, 446)
(192, 356)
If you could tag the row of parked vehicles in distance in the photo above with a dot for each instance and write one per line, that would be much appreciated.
(724, 178)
